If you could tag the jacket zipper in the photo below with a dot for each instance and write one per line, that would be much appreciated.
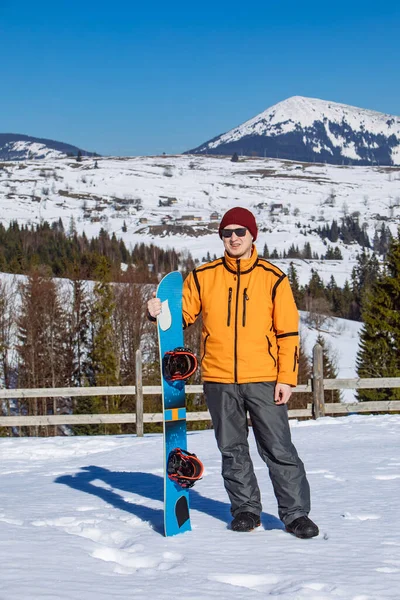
(245, 299)
(236, 316)
(269, 350)
(204, 348)
(295, 358)
(229, 307)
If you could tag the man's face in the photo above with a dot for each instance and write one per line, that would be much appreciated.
(238, 246)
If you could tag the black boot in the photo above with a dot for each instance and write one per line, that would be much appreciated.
(245, 521)
(303, 527)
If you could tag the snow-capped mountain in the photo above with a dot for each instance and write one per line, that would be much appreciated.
(16, 146)
(312, 130)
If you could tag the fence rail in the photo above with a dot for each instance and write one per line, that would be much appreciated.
(316, 409)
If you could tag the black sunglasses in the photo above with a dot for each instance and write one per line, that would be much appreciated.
(240, 232)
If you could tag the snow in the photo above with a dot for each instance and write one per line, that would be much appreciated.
(82, 518)
(341, 338)
(33, 191)
(34, 149)
(299, 111)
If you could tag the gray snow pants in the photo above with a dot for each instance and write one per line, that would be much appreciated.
(228, 404)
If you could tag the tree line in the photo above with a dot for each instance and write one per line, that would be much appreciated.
(72, 333)
(379, 352)
(324, 300)
(71, 254)
(80, 332)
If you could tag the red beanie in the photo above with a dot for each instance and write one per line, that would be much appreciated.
(239, 216)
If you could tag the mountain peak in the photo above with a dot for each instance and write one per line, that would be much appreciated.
(18, 146)
(314, 130)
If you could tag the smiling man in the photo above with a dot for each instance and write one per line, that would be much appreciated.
(250, 351)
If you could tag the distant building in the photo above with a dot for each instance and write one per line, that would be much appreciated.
(276, 209)
(214, 216)
(167, 201)
(143, 220)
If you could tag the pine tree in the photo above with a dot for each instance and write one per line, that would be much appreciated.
(307, 253)
(335, 297)
(334, 232)
(104, 362)
(43, 339)
(295, 285)
(347, 301)
(79, 334)
(364, 274)
(315, 287)
(379, 352)
(329, 369)
(8, 303)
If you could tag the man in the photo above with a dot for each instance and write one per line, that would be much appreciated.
(250, 350)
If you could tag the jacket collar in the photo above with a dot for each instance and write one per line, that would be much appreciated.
(245, 264)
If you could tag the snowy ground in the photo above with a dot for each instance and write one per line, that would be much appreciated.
(342, 341)
(130, 197)
(82, 518)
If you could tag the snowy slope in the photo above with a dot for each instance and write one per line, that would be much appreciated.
(342, 341)
(311, 129)
(15, 146)
(82, 517)
(177, 201)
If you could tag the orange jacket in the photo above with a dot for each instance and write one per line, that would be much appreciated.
(250, 320)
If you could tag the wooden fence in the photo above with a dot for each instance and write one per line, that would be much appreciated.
(317, 385)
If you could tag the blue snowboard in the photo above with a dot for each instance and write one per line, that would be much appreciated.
(170, 336)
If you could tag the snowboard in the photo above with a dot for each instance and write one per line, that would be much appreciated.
(170, 336)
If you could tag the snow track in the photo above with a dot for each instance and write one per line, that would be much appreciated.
(82, 518)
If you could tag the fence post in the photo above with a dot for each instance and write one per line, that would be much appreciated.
(318, 382)
(139, 394)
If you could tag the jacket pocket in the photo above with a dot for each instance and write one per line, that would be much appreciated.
(204, 346)
(269, 350)
(228, 321)
(245, 300)
(296, 358)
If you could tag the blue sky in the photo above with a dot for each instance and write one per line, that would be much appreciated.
(125, 78)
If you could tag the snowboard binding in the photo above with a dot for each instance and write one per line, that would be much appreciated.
(179, 364)
(184, 468)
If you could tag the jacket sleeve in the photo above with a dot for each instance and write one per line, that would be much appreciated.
(286, 324)
(191, 301)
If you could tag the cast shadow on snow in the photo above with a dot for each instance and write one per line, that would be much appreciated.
(103, 483)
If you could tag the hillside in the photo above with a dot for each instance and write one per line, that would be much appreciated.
(313, 130)
(16, 146)
(177, 201)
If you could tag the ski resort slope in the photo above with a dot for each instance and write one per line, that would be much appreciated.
(81, 517)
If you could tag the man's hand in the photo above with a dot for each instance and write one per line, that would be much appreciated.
(154, 306)
(283, 391)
